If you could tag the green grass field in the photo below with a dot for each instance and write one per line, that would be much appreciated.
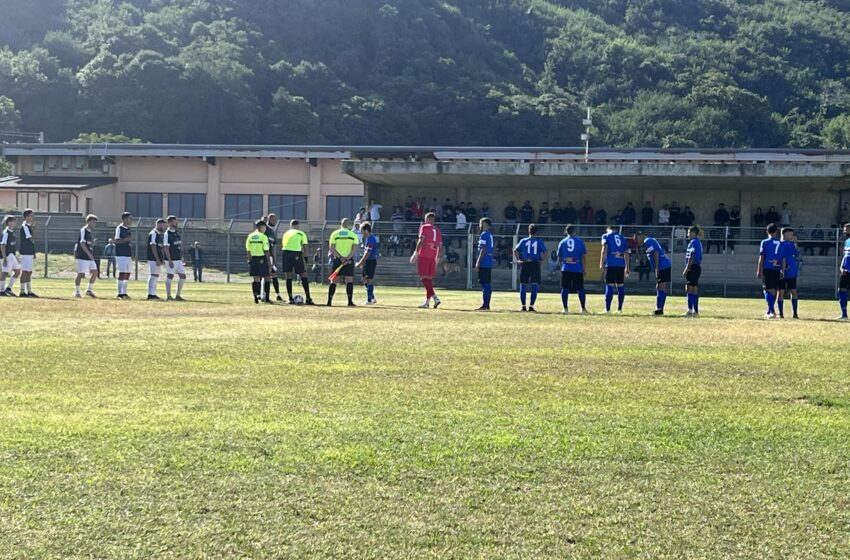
(221, 429)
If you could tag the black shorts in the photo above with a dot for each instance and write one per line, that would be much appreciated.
(788, 284)
(347, 270)
(293, 261)
(529, 273)
(615, 275)
(770, 279)
(485, 275)
(259, 267)
(369, 268)
(572, 281)
(692, 277)
(664, 276)
(844, 282)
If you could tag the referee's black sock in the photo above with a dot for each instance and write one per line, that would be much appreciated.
(305, 282)
(331, 292)
(276, 285)
(289, 287)
(349, 289)
(255, 287)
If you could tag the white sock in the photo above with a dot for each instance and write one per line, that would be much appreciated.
(2, 285)
(124, 284)
(91, 286)
(120, 285)
(168, 287)
(11, 282)
(25, 287)
(180, 283)
(152, 285)
(77, 289)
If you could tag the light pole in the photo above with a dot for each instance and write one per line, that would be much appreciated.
(587, 122)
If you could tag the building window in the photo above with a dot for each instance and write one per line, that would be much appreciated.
(66, 162)
(243, 206)
(143, 205)
(80, 163)
(188, 205)
(38, 164)
(59, 203)
(339, 207)
(28, 200)
(96, 164)
(52, 162)
(288, 207)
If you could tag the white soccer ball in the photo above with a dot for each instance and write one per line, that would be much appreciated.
(298, 300)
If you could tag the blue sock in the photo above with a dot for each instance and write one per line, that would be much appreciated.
(370, 292)
(582, 297)
(534, 288)
(488, 292)
(621, 296)
(780, 303)
(522, 294)
(690, 302)
(842, 298)
(696, 303)
(767, 299)
(660, 298)
(565, 297)
(794, 305)
(771, 302)
(609, 295)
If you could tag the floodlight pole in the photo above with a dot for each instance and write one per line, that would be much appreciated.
(587, 122)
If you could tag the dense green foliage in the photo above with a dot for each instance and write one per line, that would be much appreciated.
(509, 72)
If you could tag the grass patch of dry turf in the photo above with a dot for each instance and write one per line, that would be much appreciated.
(217, 428)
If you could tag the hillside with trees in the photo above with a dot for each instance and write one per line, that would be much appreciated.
(658, 73)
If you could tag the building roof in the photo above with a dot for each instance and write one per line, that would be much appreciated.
(39, 182)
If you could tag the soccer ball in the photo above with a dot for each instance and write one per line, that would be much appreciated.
(298, 300)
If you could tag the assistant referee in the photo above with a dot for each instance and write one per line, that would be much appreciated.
(342, 243)
(259, 257)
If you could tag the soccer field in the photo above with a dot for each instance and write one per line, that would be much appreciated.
(218, 428)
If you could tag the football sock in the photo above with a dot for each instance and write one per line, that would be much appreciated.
(842, 300)
(168, 287)
(25, 287)
(152, 285)
(349, 290)
(305, 283)
(696, 303)
(609, 296)
(522, 294)
(771, 302)
(429, 287)
(331, 292)
(794, 305)
(582, 297)
(276, 285)
(565, 297)
(11, 282)
(621, 297)
(2, 285)
(488, 293)
(288, 287)
(91, 286)
(180, 282)
(369, 292)
(534, 288)
(255, 287)
(780, 303)
(660, 298)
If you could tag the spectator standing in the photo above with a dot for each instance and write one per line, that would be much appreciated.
(734, 225)
(460, 227)
(558, 214)
(109, 253)
(675, 214)
(586, 214)
(510, 214)
(601, 217)
(543, 214)
(360, 217)
(688, 217)
(629, 216)
(197, 256)
(664, 216)
(448, 211)
(485, 211)
(721, 216)
(471, 213)
(397, 219)
(785, 215)
(527, 212)
(570, 214)
(772, 216)
(647, 214)
(374, 212)
(759, 218)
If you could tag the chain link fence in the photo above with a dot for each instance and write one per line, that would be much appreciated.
(729, 266)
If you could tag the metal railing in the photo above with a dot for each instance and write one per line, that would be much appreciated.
(728, 269)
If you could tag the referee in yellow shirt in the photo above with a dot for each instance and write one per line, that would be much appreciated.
(259, 258)
(294, 244)
(342, 244)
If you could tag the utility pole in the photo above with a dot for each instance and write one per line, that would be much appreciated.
(587, 122)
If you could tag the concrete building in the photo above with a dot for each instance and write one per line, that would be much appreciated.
(319, 183)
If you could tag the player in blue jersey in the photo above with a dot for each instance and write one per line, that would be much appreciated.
(572, 254)
(771, 266)
(484, 262)
(844, 270)
(663, 267)
(530, 252)
(693, 270)
(369, 261)
(614, 259)
(788, 284)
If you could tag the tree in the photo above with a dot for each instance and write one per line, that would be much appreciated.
(104, 138)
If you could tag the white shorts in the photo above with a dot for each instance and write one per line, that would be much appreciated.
(153, 268)
(178, 268)
(11, 263)
(27, 262)
(84, 267)
(124, 264)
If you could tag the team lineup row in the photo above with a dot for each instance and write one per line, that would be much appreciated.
(778, 263)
